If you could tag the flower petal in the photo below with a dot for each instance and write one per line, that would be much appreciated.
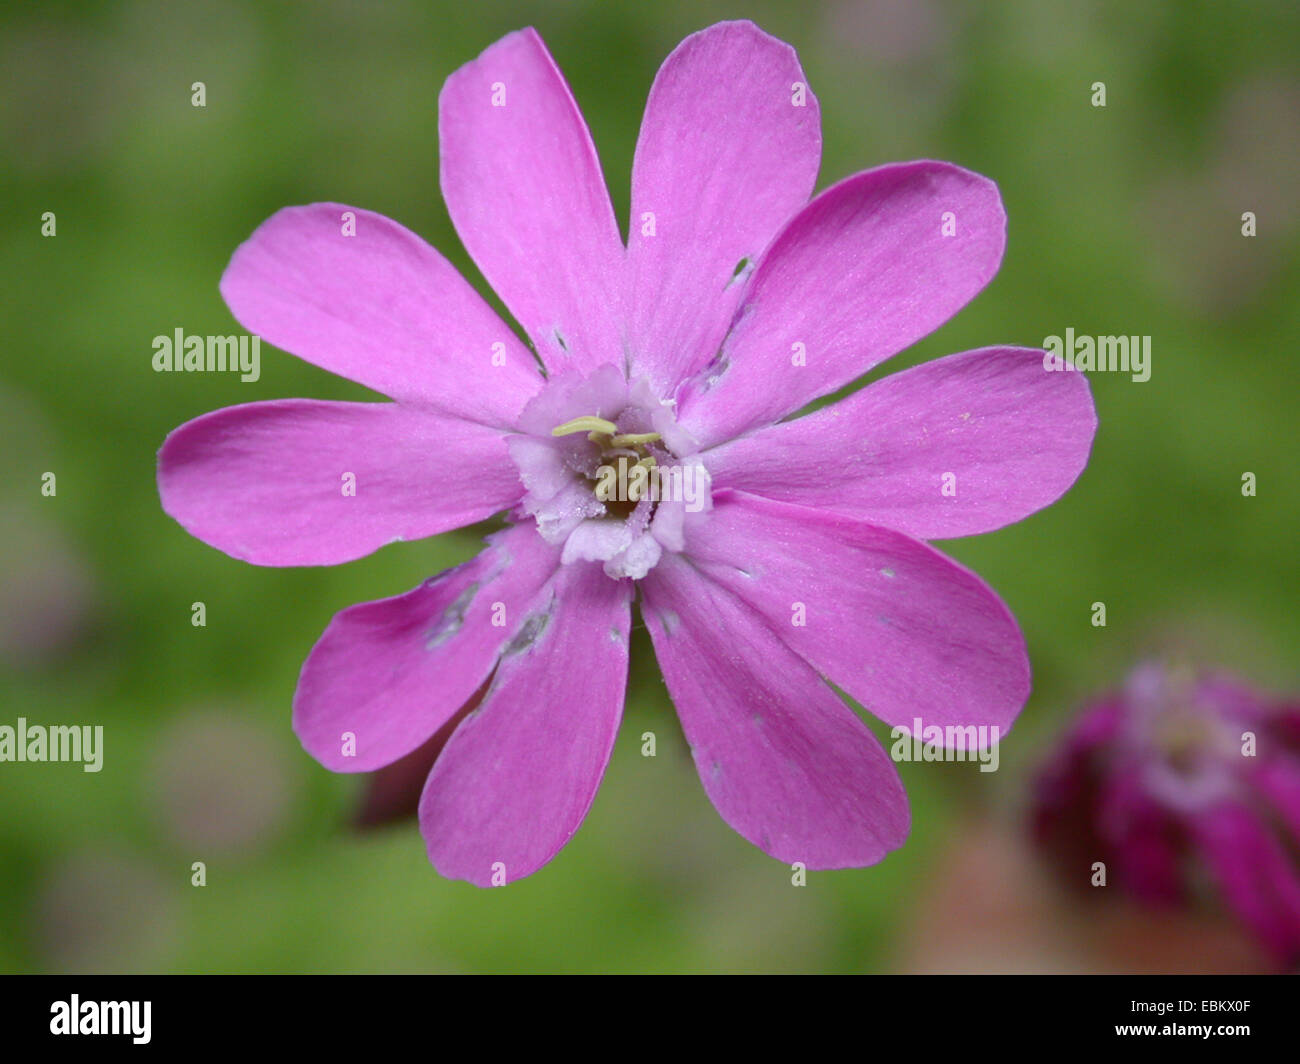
(1142, 839)
(1014, 437)
(858, 275)
(728, 151)
(524, 189)
(1278, 779)
(783, 760)
(903, 629)
(390, 673)
(519, 774)
(1258, 879)
(267, 482)
(380, 307)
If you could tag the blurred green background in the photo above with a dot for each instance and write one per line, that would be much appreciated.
(1123, 219)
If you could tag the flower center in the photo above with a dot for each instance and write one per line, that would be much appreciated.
(608, 472)
(1183, 738)
(628, 471)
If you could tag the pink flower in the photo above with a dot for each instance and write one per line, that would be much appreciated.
(1178, 783)
(735, 303)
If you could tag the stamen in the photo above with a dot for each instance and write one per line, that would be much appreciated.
(614, 486)
(635, 439)
(587, 423)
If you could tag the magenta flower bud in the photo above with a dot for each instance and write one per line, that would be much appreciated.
(1179, 789)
